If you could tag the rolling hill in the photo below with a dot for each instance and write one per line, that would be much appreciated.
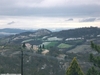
(47, 52)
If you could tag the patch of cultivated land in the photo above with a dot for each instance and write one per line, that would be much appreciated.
(82, 49)
(63, 45)
(45, 43)
(51, 44)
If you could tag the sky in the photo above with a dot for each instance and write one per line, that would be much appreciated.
(49, 14)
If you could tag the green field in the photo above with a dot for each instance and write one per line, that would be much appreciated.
(63, 45)
(51, 44)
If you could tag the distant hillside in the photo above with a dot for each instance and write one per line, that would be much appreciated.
(18, 38)
(78, 32)
(86, 33)
(36, 33)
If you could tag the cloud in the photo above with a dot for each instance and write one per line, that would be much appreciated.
(78, 11)
(47, 3)
(10, 23)
(98, 19)
(30, 22)
(70, 19)
(88, 20)
(57, 8)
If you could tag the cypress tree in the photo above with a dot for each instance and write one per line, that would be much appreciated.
(74, 68)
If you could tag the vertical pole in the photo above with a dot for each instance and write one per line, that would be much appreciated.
(21, 62)
(23, 46)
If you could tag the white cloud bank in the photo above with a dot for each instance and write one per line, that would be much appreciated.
(45, 22)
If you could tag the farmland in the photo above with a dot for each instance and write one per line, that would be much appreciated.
(63, 45)
(51, 44)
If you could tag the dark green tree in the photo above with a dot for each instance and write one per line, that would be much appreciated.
(43, 46)
(40, 47)
(1, 71)
(74, 68)
(23, 45)
(95, 70)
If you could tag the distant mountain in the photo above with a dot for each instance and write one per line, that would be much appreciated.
(10, 31)
(18, 38)
(42, 32)
(37, 33)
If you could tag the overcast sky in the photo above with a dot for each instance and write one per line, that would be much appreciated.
(35, 14)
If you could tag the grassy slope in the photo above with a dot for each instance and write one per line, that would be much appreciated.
(51, 44)
(82, 49)
(63, 45)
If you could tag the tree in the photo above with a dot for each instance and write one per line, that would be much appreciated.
(95, 70)
(40, 49)
(43, 46)
(23, 45)
(92, 71)
(74, 68)
(1, 70)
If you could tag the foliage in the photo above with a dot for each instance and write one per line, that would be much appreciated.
(95, 60)
(78, 32)
(33, 65)
(74, 68)
(92, 71)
